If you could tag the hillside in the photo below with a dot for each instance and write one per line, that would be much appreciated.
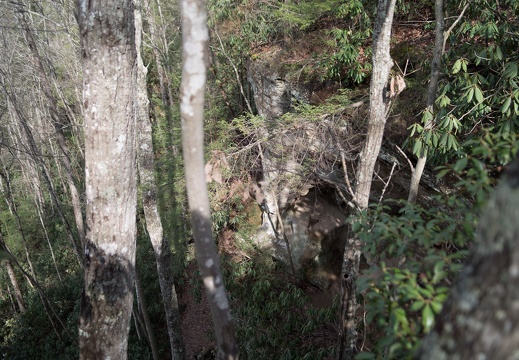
(304, 263)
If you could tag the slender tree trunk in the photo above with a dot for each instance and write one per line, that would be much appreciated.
(161, 55)
(136, 323)
(431, 95)
(161, 45)
(195, 57)
(38, 160)
(2, 293)
(12, 207)
(16, 287)
(107, 31)
(378, 109)
(168, 203)
(53, 317)
(40, 215)
(160, 243)
(11, 300)
(52, 105)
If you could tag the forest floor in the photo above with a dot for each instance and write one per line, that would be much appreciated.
(197, 325)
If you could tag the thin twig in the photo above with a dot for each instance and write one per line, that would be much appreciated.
(343, 198)
(387, 183)
(248, 147)
(405, 157)
(344, 167)
(447, 33)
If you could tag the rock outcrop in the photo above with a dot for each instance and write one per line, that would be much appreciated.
(296, 217)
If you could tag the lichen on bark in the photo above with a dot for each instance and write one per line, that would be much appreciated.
(480, 319)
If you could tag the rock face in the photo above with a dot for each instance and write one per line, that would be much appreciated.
(294, 212)
(317, 236)
(272, 96)
(272, 93)
(304, 191)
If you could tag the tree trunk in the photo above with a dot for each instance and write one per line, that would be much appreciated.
(160, 51)
(11, 300)
(14, 211)
(107, 31)
(52, 105)
(40, 215)
(36, 156)
(154, 227)
(480, 320)
(378, 109)
(169, 204)
(431, 95)
(53, 317)
(16, 287)
(195, 57)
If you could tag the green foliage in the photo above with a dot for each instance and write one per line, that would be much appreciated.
(343, 27)
(350, 58)
(478, 100)
(31, 336)
(479, 168)
(273, 317)
(302, 15)
(169, 174)
(412, 9)
(415, 253)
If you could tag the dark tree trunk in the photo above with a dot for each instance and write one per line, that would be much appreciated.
(141, 299)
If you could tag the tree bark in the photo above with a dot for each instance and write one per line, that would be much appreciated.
(480, 320)
(431, 95)
(16, 287)
(160, 243)
(195, 58)
(107, 31)
(378, 108)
